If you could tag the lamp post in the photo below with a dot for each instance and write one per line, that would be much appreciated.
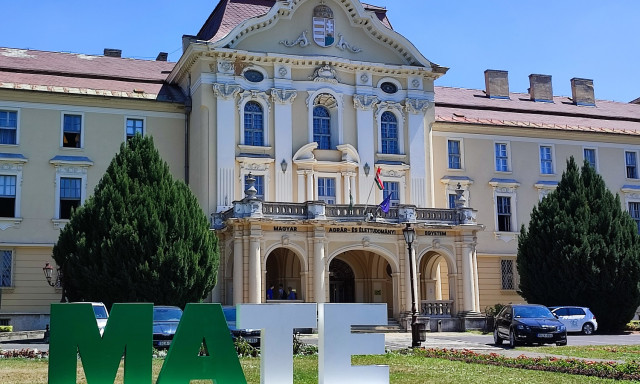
(48, 274)
(409, 237)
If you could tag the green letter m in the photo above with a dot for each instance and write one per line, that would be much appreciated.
(74, 330)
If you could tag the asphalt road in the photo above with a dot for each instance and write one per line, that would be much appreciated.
(458, 340)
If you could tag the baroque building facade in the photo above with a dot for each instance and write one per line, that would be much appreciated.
(281, 116)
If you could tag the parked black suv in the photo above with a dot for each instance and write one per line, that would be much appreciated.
(527, 324)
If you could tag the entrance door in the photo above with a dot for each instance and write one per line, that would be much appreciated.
(341, 282)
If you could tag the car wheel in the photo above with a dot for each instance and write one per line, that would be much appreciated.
(497, 340)
(512, 339)
(561, 343)
(587, 328)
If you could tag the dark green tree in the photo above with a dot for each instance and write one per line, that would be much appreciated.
(141, 237)
(582, 249)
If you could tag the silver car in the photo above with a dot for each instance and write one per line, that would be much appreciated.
(576, 319)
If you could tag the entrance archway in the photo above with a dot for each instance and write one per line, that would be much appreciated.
(359, 276)
(283, 268)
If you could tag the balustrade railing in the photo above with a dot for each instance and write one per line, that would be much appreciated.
(436, 308)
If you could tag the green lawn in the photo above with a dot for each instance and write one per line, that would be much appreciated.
(404, 370)
(626, 353)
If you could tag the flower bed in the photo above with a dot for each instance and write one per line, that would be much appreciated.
(607, 369)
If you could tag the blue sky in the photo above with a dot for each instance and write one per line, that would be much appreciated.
(562, 38)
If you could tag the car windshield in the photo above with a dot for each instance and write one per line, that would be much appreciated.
(100, 312)
(533, 312)
(167, 314)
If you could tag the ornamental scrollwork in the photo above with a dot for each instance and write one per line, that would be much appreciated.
(226, 91)
(344, 46)
(283, 96)
(254, 95)
(302, 41)
(365, 102)
(325, 73)
(417, 106)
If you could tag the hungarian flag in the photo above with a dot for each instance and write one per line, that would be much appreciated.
(378, 181)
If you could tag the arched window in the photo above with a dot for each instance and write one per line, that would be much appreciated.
(253, 124)
(389, 133)
(322, 127)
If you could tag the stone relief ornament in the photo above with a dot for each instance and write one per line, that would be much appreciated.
(344, 46)
(283, 71)
(323, 26)
(283, 96)
(254, 95)
(364, 78)
(415, 83)
(226, 91)
(416, 106)
(325, 73)
(301, 41)
(365, 102)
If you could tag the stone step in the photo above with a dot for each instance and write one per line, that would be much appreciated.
(392, 326)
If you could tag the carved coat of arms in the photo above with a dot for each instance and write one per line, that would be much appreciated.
(323, 26)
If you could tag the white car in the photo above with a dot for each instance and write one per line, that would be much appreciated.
(100, 310)
(576, 319)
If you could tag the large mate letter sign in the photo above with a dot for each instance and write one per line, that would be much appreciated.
(129, 331)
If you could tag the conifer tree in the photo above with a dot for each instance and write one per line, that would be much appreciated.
(141, 237)
(582, 248)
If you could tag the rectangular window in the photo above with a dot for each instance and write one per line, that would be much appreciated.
(453, 147)
(590, 156)
(8, 127)
(507, 275)
(546, 160)
(70, 194)
(502, 157)
(392, 188)
(7, 196)
(327, 189)
(504, 213)
(6, 263)
(634, 211)
(452, 200)
(631, 160)
(134, 126)
(72, 131)
(259, 185)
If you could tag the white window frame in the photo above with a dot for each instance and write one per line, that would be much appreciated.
(461, 145)
(338, 186)
(17, 111)
(144, 124)
(505, 188)
(73, 170)
(262, 99)
(394, 174)
(515, 277)
(595, 151)
(337, 130)
(544, 188)
(13, 167)
(636, 219)
(495, 157)
(637, 164)
(83, 130)
(631, 194)
(13, 268)
(451, 184)
(553, 159)
(396, 109)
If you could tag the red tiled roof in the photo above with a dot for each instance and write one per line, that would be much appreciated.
(228, 14)
(468, 106)
(78, 73)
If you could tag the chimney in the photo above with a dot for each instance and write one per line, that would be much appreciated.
(110, 52)
(540, 88)
(497, 83)
(162, 56)
(582, 92)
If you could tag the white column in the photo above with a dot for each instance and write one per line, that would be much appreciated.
(468, 280)
(475, 279)
(238, 268)
(346, 186)
(226, 128)
(407, 280)
(312, 194)
(418, 152)
(319, 273)
(366, 129)
(283, 130)
(302, 187)
(255, 277)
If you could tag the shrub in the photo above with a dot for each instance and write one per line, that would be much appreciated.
(6, 328)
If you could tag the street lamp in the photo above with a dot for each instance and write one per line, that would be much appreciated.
(48, 274)
(409, 236)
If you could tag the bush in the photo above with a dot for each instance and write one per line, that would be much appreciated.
(244, 349)
(6, 328)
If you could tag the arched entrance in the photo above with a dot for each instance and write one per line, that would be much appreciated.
(437, 291)
(361, 277)
(283, 269)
